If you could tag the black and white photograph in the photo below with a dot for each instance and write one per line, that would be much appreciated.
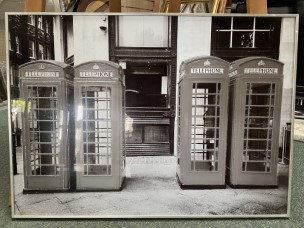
(151, 116)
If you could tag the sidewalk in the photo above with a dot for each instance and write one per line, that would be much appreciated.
(3, 105)
(151, 189)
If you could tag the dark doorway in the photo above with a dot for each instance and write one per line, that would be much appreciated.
(147, 125)
(150, 76)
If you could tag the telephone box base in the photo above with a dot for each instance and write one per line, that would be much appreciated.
(253, 186)
(198, 187)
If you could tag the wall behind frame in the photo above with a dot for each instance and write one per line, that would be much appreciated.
(2, 41)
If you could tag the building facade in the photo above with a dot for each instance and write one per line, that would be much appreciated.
(30, 38)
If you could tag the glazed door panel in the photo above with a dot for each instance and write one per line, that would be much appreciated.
(45, 160)
(259, 130)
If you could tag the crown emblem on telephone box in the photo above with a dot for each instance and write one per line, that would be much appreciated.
(95, 67)
(207, 63)
(41, 67)
(261, 63)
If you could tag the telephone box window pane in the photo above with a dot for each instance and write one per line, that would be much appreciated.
(205, 99)
(259, 155)
(43, 129)
(205, 121)
(256, 133)
(92, 125)
(95, 138)
(96, 159)
(204, 166)
(256, 144)
(206, 87)
(43, 114)
(258, 122)
(205, 155)
(97, 130)
(43, 137)
(258, 88)
(260, 100)
(97, 170)
(256, 166)
(203, 144)
(99, 114)
(90, 149)
(259, 111)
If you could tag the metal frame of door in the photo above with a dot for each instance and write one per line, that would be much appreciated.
(114, 180)
(239, 177)
(47, 182)
(236, 176)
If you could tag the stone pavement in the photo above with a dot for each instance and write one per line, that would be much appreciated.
(299, 129)
(151, 190)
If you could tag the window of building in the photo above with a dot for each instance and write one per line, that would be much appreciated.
(32, 49)
(68, 38)
(31, 20)
(48, 53)
(10, 41)
(17, 45)
(11, 74)
(40, 25)
(143, 31)
(231, 36)
(41, 53)
(47, 27)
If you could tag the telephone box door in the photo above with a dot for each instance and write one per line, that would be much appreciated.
(99, 102)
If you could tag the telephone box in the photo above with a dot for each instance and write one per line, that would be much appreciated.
(48, 142)
(202, 122)
(254, 121)
(100, 121)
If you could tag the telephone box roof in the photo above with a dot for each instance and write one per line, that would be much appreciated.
(49, 65)
(204, 66)
(241, 62)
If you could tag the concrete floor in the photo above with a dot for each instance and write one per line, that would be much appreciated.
(151, 190)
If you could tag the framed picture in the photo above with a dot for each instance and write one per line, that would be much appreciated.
(151, 115)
